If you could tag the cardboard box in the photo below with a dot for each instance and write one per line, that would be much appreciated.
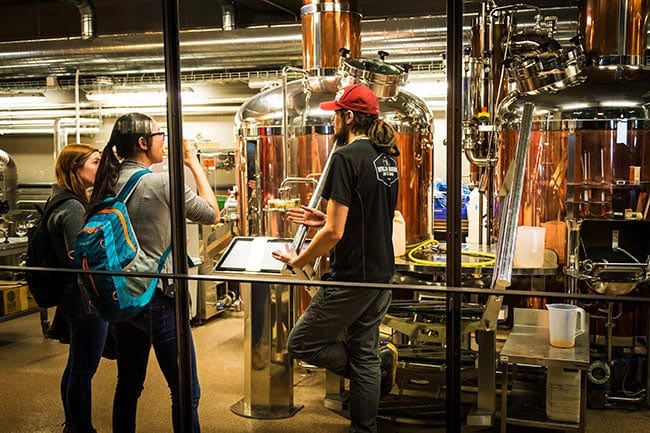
(14, 299)
(31, 303)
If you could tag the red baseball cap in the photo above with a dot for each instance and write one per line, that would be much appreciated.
(356, 97)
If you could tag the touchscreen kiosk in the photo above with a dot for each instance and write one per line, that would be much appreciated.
(252, 255)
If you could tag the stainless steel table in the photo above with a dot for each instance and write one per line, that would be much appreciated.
(13, 246)
(528, 343)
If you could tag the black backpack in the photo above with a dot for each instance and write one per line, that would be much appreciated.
(47, 287)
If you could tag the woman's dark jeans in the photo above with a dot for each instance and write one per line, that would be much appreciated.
(87, 338)
(155, 326)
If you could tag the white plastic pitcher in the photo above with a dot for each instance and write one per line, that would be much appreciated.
(563, 323)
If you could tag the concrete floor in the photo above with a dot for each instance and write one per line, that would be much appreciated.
(31, 366)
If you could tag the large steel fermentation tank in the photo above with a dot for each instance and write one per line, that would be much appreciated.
(589, 154)
(8, 180)
(283, 138)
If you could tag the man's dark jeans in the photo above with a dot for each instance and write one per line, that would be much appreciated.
(356, 315)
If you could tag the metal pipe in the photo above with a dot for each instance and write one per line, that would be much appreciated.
(88, 20)
(609, 324)
(298, 181)
(285, 113)
(301, 233)
(60, 137)
(510, 216)
(509, 219)
(634, 400)
(228, 17)
(77, 107)
(481, 162)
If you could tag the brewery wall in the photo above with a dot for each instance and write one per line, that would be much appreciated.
(33, 154)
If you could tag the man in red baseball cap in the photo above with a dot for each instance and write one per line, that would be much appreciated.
(361, 193)
(356, 97)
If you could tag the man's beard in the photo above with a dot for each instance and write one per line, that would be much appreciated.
(342, 136)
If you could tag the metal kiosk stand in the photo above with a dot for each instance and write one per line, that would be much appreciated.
(268, 369)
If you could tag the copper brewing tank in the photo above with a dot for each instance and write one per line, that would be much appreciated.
(614, 38)
(328, 26)
(589, 154)
(285, 173)
(587, 135)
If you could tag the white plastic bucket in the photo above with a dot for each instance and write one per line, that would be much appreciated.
(529, 247)
(565, 323)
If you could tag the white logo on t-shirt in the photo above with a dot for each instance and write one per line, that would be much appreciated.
(386, 169)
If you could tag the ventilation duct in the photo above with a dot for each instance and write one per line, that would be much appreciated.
(417, 41)
(88, 21)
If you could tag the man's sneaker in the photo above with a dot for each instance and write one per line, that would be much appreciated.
(257, 360)
(388, 365)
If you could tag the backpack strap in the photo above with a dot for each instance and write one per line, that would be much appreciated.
(163, 258)
(161, 262)
(56, 200)
(125, 192)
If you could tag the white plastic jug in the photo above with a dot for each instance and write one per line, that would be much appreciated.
(399, 234)
(563, 325)
(563, 394)
(475, 219)
(529, 247)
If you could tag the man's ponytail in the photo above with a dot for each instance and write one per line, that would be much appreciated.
(384, 137)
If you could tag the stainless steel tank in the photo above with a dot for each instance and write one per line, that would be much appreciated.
(8, 180)
(283, 175)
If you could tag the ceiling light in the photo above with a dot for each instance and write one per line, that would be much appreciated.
(20, 98)
(46, 131)
(137, 97)
(427, 89)
(63, 122)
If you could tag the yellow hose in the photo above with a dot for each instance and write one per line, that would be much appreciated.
(482, 264)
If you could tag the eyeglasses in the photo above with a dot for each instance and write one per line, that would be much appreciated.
(164, 135)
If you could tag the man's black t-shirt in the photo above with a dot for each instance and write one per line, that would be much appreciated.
(365, 181)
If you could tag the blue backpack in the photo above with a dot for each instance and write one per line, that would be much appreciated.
(107, 243)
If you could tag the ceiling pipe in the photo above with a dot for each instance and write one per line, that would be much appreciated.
(418, 41)
(228, 11)
(88, 20)
(228, 17)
